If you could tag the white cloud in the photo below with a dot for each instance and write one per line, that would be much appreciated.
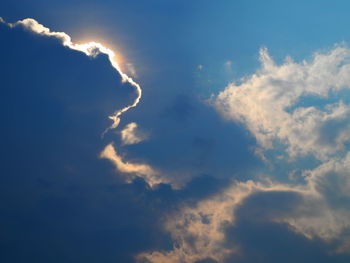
(131, 135)
(131, 170)
(264, 102)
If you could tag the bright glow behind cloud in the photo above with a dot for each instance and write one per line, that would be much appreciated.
(129, 134)
(90, 49)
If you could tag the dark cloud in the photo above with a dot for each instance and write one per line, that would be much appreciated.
(181, 109)
(59, 201)
(260, 238)
(266, 206)
(188, 138)
(272, 242)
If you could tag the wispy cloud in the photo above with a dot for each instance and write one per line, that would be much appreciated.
(131, 135)
(149, 174)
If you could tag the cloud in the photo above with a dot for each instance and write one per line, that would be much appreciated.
(209, 229)
(317, 211)
(198, 232)
(145, 171)
(90, 49)
(131, 135)
(52, 148)
(228, 66)
(59, 201)
(324, 213)
(300, 106)
(269, 103)
(56, 192)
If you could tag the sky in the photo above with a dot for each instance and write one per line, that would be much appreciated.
(174, 131)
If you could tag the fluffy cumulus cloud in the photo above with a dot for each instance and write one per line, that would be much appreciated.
(270, 103)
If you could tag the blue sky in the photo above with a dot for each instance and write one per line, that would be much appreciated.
(185, 131)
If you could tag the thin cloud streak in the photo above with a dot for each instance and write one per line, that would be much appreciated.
(151, 176)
